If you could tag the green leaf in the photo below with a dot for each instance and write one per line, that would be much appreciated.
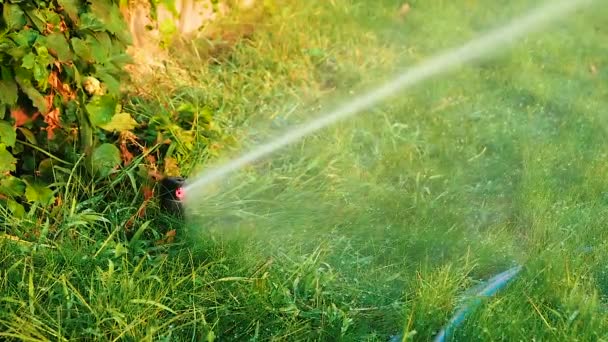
(111, 83)
(88, 21)
(29, 136)
(210, 336)
(71, 8)
(18, 52)
(37, 19)
(13, 16)
(12, 186)
(28, 163)
(99, 53)
(109, 13)
(8, 88)
(120, 122)
(23, 78)
(28, 61)
(24, 38)
(82, 49)
(21, 44)
(316, 53)
(167, 29)
(41, 75)
(101, 109)
(7, 161)
(105, 40)
(17, 149)
(16, 209)
(7, 45)
(52, 17)
(45, 168)
(38, 193)
(8, 136)
(57, 43)
(105, 158)
(120, 59)
(44, 58)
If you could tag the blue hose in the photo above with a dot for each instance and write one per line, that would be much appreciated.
(492, 286)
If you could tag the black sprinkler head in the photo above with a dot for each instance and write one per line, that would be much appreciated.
(172, 195)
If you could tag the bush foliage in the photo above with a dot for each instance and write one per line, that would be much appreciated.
(62, 67)
(60, 103)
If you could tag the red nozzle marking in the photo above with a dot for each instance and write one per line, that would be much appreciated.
(179, 193)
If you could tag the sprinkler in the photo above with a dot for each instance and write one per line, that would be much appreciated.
(172, 195)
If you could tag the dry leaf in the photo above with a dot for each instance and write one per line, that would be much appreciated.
(142, 209)
(54, 80)
(593, 69)
(125, 154)
(404, 10)
(63, 89)
(155, 175)
(20, 117)
(148, 192)
(92, 86)
(171, 168)
(126, 136)
(169, 237)
(52, 121)
(151, 159)
(48, 100)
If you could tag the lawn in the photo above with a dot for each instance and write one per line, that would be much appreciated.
(374, 227)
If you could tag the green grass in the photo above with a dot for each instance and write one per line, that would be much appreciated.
(373, 227)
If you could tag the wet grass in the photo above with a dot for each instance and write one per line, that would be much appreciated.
(373, 227)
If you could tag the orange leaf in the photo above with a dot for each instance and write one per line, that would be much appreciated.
(151, 159)
(54, 80)
(142, 209)
(20, 117)
(63, 89)
(52, 121)
(148, 192)
(129, 223)
(155, 175)
(49, 101)
(125, 154)
(169, 238)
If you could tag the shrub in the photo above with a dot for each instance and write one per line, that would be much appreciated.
(61, 72)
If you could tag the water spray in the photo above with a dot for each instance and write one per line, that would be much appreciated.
(488, 44)
(484, 46)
